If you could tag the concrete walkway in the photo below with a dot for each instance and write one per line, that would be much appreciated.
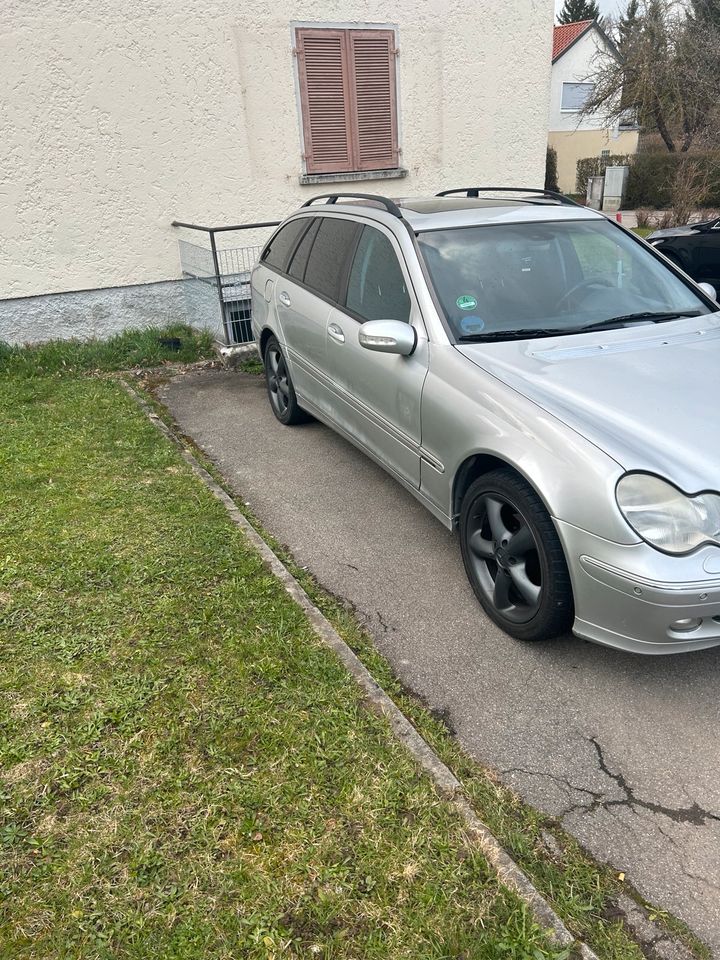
(623, 749)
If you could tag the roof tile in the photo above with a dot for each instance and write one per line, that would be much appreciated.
(564, 35)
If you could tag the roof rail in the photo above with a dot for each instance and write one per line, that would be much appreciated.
(391, 207)
(476, 191)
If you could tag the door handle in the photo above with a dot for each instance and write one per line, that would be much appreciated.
(336, 333)
(284, 299)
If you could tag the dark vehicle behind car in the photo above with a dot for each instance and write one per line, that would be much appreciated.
(694, 248)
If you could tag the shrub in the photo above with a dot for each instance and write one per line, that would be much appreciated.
(551, 180)
(644, 219)
(595, 167)
(656, 179)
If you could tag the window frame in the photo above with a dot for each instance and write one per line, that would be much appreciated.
(574, 83)
(346, 25)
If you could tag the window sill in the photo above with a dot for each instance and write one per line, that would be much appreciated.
(394, 174)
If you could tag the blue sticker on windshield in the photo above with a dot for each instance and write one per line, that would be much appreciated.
(472, 324)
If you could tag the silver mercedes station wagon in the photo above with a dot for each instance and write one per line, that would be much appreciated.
(541, 379)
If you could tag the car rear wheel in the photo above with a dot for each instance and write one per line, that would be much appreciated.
(514, 559)
(280, 387)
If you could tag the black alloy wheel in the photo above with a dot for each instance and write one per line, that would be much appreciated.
(513, 557)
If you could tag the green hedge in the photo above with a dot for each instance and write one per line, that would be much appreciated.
(652, 174)
(595, 167)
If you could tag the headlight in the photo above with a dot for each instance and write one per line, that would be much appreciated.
(665, 516)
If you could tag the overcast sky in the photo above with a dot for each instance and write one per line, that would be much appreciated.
(607, 7)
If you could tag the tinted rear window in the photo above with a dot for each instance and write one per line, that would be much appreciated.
(276, 253)
(334, 242)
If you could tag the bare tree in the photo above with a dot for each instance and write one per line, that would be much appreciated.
(689, 189)
(666, 71)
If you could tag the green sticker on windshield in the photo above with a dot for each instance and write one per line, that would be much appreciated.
(466, 302)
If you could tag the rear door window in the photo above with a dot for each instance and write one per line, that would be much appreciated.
(282, 244)
(334, 242)
(376, 285)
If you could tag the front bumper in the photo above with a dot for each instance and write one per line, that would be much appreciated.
(634, 597)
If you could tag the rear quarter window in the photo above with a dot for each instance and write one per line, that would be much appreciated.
(282, 244)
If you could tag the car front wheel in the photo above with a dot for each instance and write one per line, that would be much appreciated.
(514, 559)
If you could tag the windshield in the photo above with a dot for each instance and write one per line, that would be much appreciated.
(548, 277)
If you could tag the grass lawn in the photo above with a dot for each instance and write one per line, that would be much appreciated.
(185, 771)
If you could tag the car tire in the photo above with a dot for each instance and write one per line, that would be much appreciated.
(281, 392)
(525, 589)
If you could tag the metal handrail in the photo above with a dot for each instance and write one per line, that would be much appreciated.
(211, 231)
(238, 226)
(475, 192)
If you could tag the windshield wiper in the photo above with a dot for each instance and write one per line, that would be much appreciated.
(521, 334)
(529, 333)
(659, 316)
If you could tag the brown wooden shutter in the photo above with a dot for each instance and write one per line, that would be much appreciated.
(372, 64)
(348, 101)
(325, 99)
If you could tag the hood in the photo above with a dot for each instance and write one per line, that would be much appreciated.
(685, 231)
(648, 396)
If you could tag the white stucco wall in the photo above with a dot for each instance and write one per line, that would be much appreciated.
(122, 115)
(575, 66)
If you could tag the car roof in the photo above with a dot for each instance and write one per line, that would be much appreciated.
(442, 213)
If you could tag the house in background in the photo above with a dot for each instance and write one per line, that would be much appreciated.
(123, 118)
(574, 137)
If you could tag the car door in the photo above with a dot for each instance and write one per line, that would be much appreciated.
(304, 300)
(379, 394)
(706, 257)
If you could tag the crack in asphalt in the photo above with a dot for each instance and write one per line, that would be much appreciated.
(695, 814)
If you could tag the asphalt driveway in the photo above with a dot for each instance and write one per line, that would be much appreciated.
(624, 749)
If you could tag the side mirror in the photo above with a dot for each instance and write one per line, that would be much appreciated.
(388, 336)
(709, 289)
